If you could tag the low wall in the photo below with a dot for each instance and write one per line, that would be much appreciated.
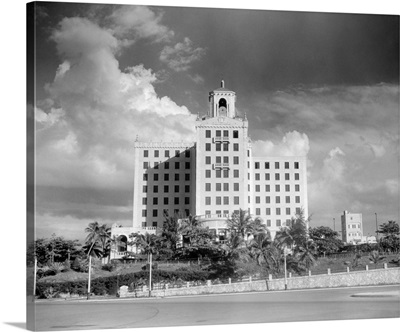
(354, 278)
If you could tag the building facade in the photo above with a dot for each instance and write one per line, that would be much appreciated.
(352, 227)
(215, 176)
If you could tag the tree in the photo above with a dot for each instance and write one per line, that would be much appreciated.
(264, 252)
(146, 243)
(325, 239)
(390, 240)
(294, 234)
(170, 236)
(244, 225)
(375, 257)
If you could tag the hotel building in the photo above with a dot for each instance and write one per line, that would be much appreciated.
(214, 176)
(352, 227)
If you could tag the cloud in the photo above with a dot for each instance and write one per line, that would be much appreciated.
(94, 111)
(292, 144)
(138, 22)
(182, 55)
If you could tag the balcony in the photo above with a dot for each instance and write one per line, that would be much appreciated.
(221, 139)
(221, 166)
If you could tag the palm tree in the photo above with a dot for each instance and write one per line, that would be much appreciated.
(244, 225)
(294, 234)
(263, 251)
(306, 254)
(375, 257)
(146, 243)
(99, 236)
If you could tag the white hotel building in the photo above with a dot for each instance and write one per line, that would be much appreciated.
(215, 176)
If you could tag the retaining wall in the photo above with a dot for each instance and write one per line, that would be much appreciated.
(354, 278)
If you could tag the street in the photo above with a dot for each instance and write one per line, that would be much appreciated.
(282, 306)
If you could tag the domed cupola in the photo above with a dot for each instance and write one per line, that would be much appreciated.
(222, 102)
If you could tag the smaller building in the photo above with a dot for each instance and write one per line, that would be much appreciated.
(352, 227)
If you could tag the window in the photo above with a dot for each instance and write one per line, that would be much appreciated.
(166, 201)
(166, 165)
(226, 173)
(236, 187)
(288, 211)
(208, 186)
(287, 176)
(177, 153)
(268, 222)
(257, 165)
(208, 160)
(287, 222)
(277, 188)
(208, 173)
(176, 176)
(218, 173)
(297, 199)
(176, 189)
(235, 134)
(207, 213)
(144, 213)
(276, 176)
(226, 147)
(176, 212)
(218, 187)
(257, 176)
(154, 223)
(235, 173)
(297, 187)
(208, 146)
(267, 188)
(258, 211)
(218, 147)
(187, 189)
(155, 213)
(166, 177)
(297, 176)
(143, 224)
(218, 200)
(236, 200)
(187, 200)
(258, 200)
(144, 200)
(187, 165)
(155, 200)
(268, 211)
(208, 200)
(226, 186)
(146, 165)
(276, 164)
(267, 199)
(257, 188)
(176, 200)
(226, 133)
(218, 133)
(187, 176)
(267, 178)
(236, 160)
(156, 153)
(155, 176)
(176, 164)
(145, 189)
(277, 199)
(155, 189)
(286, 165)
(278, 223)
(166, 189)
(266, 165)
(187, 153)
(166, 153)
(287, 199)
(208, 133)
(248, 164)
(287, 187)
(298, 210)
(145, 153)
(145, 177)
(226, 160)
(248, 153)
(235, 146)
(296, 165)
(156, 164)
(226, 200)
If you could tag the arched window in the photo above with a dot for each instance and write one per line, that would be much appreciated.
(122, 243)
(222, 103)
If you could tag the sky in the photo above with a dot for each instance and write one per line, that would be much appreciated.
(322, 85)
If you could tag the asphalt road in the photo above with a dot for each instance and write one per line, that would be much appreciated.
(282, 306)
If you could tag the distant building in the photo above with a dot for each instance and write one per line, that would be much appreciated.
(352, 227)
(215, 176)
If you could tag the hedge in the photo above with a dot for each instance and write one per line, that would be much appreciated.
(109, 285)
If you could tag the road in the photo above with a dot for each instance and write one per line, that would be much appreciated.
(282, 306)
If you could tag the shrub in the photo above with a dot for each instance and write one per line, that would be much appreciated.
(108, 267)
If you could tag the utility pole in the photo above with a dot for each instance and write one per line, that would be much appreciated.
(334, 228)
(34, 277)
(284, 258)
(376, 221)
(90, 270)
(150, 274)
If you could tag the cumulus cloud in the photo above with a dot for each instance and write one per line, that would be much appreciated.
(138, 22)
(94, 112)
(292, 144)
(182, 55)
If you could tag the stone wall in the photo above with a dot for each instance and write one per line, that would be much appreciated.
(355, 278)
